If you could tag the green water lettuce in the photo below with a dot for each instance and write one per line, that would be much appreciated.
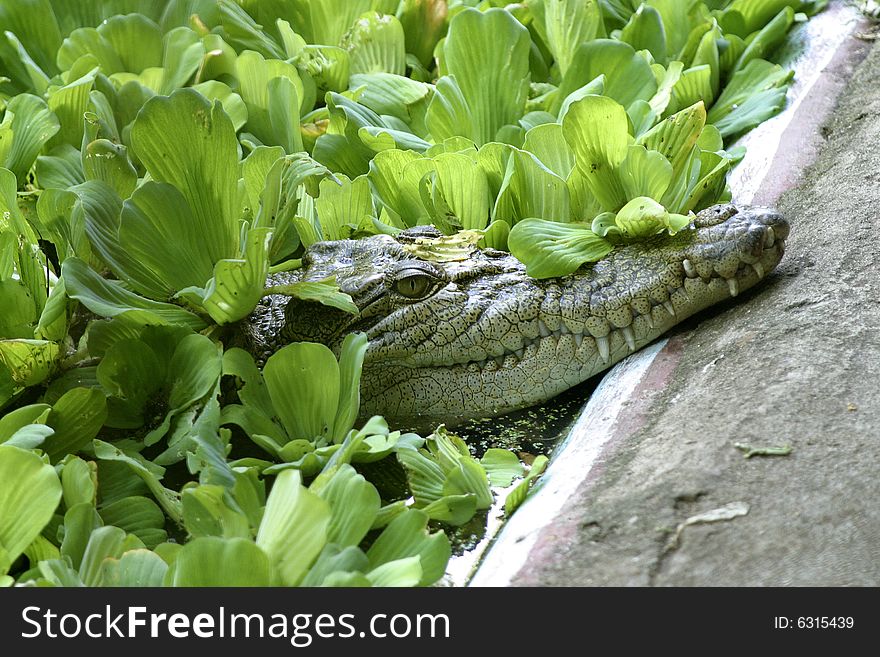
(484, 64)
(550, 248)
(29, 492)
(27, 125)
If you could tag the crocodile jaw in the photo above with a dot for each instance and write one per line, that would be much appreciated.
(557, 350)
(491, 339)
(543, 367)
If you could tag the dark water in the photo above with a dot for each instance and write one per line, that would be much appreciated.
(530, 431)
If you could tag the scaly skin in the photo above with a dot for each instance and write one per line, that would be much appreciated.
(484, 338)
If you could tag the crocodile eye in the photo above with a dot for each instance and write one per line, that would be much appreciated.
(413, 285)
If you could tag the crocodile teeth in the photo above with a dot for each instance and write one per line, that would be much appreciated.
(689, 268)
(604, 348)
(519, 352)
(734, 286)
(759, 268)
(542, 327)
(499, 360)
(770, 238)
(629, 337)
(669, 307)
(578, 338)
(650, 320)
(563, 329)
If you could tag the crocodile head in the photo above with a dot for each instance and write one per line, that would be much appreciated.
(478, 337)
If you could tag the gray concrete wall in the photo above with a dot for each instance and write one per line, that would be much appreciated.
(795, 362)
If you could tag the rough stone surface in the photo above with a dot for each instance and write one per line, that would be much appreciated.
(796, 362)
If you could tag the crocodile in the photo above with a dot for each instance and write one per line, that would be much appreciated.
(478, 337)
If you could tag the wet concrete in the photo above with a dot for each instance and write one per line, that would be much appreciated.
(795, 363)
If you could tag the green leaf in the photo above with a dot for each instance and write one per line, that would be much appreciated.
(354, 504)
(216, 561)
(53, 324)
(137, 515)
(207, 512)
(104, 543)
(303, 382)
(182, 54)
(376, 45)
(465, 189)
(452, 509)
(87, 41)
(294, 528)
(518, 495)
(643, 217)
(424, 24)
(76, 418)
(628, 76)
(754, 94)
(325, 292)
(645, 31)
(10, 214)
(20, 312)
(34, 22)
(69, 103)
(645, 173)
(486, 56)
(110, 299)
(132, 371)
(272, 91)
(551, 249)
(232, 103)
(106, 161)
(162, 234)
(424, 476)
(351, 360)
(394, 95)
(676, 136)
(743, 17)
(29, 492)
(399, 573)
(185, 141)
(567, 24)
(238, 284)
(30, 125)
(101, 207)
(134, 568)
(395, 176)
(80, 520)
(531, 190)
(502, 466)
(595, 128)
(242, 30)
(677, 23)
(322, 22)
(407, 536)
(30, 437)
(469, 478)
(149, 472)
(195, 366)
(21, 417)
(547, 143)
(712, 184)
(135, 38)
(29, 362)
(333, 562)
(343, 205)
